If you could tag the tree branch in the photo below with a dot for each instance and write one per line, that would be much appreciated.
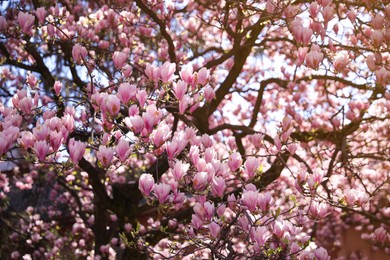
(162, 25)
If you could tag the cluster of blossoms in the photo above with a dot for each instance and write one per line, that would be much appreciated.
(172, 130)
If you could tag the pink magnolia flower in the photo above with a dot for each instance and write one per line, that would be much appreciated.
(8, 136)
(314, 58)
(381, 235)
(321, 254)
(152, 72)
(6, 143)
(302, 52)
(146, 184)
(336, 28)
(41, 149)
(127, 69)
(209, 93)
(278, 142)
(232, 201)
(167, 71)
(341, 60)
(126, 92)
(135, 123)
(371, 64)
(286, 122)
(354, 196)
(97, 99)
(313, 9)
(221, 210)
(209, 154)
(151, 118)
(161, 191)
(178, 199)
(249, 199)
(209, 210)
(55, 140)
(204, 210)
(26, 22)
(186, 74)
(103, 44)
(26, 139)
(264, 201)
(199, 211)
(294, 248)
(119, 59)
(257, 140)
(315, 179)
(279, 228)
(79, 53)
(218, 186)
(123, 150)
(209, 168)
(113, 105)
(26, 105)
(202, 76)
(382, 76)
(20, 94)
(194, 154)
(41, 14)
(324, 3)
(76, 150)
(243, 222)
(180, 89)
(68, 122)
(128, 227)
(206, 141)
(297, 29)
(215, 229)
(41, 132)
(32, 80)
(51, 30)
(358, 105)
(377, 21)
(196, 221)
(105, 155)
(180, 169)
(57, 87)
(319, 210)
(306, 36)
(12, 119)
(250, 186)
(260, 235)
(292, 148)
(250, 166)
(161, 134)
(15, 255)
(351, 14)
(133, 110)
(190, 133)
(175, 147)
(377, 38)
(65, 132)
(328, 13)
(200, 180)
(234, 161)
(141, 97)
(183, 104)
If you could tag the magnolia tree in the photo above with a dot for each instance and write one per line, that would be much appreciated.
(193, 129)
